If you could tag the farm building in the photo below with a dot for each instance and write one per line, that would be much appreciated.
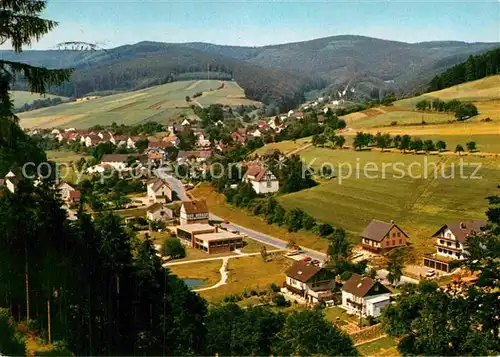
(194, 212)
(311, 282)
(261, 179)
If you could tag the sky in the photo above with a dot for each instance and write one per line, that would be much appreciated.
(113, 23)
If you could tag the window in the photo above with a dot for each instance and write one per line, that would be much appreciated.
(400, 241)
(393, 234)
(440, 250)
(399, 234)
(393, 242)
(269, 184)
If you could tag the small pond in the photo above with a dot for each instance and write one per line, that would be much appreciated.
(194, 283)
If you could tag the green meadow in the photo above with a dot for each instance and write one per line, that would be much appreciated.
(418, 204)
(164, 103)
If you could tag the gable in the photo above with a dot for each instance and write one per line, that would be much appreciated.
(377, 289)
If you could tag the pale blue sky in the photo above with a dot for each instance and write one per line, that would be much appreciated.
(113, 23)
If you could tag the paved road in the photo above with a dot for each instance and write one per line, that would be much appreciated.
(267, 239)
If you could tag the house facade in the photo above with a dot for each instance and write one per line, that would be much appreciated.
(69, 194)
(194, 212)
(450, 243)
(159, 191)
(158, 212)
(311, 282)
(364, 296)
(381, 236)
(10, 182)
(262, 179)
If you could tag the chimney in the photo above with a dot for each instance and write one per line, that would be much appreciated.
(462, 225)
(217, 229)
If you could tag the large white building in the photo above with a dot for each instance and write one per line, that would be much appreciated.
(261, 179)
(364, 296)
(159, 191)
(450, 243)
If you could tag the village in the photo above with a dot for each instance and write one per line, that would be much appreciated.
(187, 236)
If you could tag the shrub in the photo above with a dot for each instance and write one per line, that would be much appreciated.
(394, 123)
(173, 247)
(325, 229)
(253, 292)
(275, 288)
(345, 275)
(280, 301)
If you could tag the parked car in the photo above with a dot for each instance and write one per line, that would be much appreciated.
(430, 273)
(306, 259)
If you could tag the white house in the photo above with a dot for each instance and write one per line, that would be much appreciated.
(450, 243)
(10, 181)
(65, 189)
(159, 191)
(131, 143)
(158, 212)
(116, 161)
(256, 133)
(364, 296)
(311, 282)
(290, 113)
(193, 212)
(186, 122)
(261, 179)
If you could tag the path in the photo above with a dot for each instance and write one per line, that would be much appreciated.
(307, 146)
(193, 85)
(223, 273)
(239, 255)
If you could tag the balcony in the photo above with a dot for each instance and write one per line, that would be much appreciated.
(449, 247)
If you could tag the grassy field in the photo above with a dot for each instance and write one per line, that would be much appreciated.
(160, 103)
(401, 117)
(232, 94)
(249, 273)
(23, 97)
(481, 90)
(420, 206)
(217, 205)
(284, 146)
(385, 346)
(208, 271)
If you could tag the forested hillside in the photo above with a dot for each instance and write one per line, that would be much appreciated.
(277, 75)
(476, 67)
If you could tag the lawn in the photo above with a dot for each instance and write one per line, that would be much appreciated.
(218, 206)
(420, 206)
(385, 346)
(247, 273)
(160, 103)
(253, 246)
(208, 271)
(339, 315)
(67, 173)
(64, 156)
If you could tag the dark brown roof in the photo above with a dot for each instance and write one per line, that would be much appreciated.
(193, 207)
(377, 230)
(302, 271)
(74, 194)
(361, 285)
(461, 230)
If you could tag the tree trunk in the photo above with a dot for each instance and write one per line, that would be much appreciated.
(49, 331)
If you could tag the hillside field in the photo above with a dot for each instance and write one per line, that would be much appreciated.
(22, 97)
(419, 205)
(402, 118)
(163, 103)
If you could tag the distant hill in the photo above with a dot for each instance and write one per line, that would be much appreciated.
(164, 104)
(278, 75)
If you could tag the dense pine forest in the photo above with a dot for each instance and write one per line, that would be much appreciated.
(476, 67)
